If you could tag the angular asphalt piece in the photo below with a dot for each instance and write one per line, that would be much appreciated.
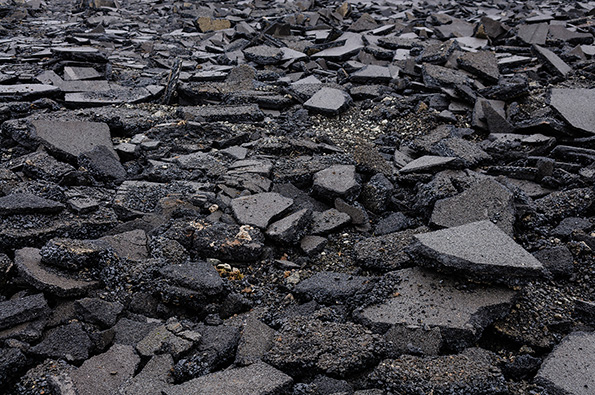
(479, 250)
(16, 311)
(258, 210)
(337, 181)
(485, 200)
(255, 379)
(103, 374)
(328, 101)
(26, 203)
(553, 61)
(428, 163)
(73, 138)
(426, 298)
(575, 106)
(568, 369)
(29, 266)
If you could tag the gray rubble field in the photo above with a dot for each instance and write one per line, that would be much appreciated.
(297, 197)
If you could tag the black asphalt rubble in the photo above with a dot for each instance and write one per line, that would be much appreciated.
(297, 197)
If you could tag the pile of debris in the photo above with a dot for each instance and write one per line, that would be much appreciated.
(297, 197)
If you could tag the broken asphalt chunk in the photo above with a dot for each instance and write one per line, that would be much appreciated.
(329, 101)
(479, 250)
(576, 107)
(258, 210)
(426, 298)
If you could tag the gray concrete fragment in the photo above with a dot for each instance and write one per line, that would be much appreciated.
(337, 181)
(426, 298)
(26, 203)
(479, 250)
(328, 101)
(103, 374)
(29, 266)
(568, 369)
(328, 221)
(576, 107)
(331, 288)
(258, 210)
(485, 200)
(256, 379)
(428, 163)
(73, 138)
(291, 228)
(16, 311)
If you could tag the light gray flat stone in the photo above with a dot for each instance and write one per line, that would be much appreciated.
(337, 181)
(427, 298)
(485, 200)
(328, 101)
(576, 107)
(568, 369)
(480, 250)
(258, 210)
(73, 138)
(427, 163)
(256, 379)
(103, 374)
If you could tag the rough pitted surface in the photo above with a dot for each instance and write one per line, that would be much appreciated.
(333, 288)
(486, 200)
(306, 345)
(256, 379)
(104, 374)
(568, 368)
(387, 252)
(472, 372)
(337, 181)
(480, 249)
(573, 105)
(69, 342)
(272, 197)
(258, 210)
(424, 298)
